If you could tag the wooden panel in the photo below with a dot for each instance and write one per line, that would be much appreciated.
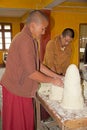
(72, 124)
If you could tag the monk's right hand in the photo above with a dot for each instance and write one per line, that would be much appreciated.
(58, 81)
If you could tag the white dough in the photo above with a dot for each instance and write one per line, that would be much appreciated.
(44, 88)
(85, 89)
(54, 92)
(72, 96)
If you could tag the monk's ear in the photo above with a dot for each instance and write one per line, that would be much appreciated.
(32, 26)
(61, 36)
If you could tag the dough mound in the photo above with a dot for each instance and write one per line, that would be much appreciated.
(54, 92)
(72, 96)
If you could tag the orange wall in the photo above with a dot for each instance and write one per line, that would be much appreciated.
(72, 20)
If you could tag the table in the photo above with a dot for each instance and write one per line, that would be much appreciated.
(65, 119)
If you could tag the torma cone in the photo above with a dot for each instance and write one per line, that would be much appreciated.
(72, 96)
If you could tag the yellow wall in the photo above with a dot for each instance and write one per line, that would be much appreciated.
(72, 20)
(15, 29)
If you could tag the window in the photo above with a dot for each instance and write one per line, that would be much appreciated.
(5, 35)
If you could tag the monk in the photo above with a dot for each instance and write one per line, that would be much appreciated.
(23, 74)
(58, 52)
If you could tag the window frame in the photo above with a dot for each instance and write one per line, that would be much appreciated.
(3, 32)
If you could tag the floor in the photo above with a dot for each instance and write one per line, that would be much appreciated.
(52, 128)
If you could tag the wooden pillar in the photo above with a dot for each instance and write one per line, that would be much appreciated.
(46, 37)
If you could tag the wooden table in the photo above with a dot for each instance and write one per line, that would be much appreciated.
(65, 119)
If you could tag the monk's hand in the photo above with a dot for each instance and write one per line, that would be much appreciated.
(58, 81)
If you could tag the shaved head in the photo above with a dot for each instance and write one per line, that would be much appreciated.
(36, 16)
(37, 23)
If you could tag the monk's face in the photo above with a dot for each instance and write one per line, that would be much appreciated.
(66, 40)
(39, 29)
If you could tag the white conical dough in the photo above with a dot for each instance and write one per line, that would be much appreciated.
(72, 96)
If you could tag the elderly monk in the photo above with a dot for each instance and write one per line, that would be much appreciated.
(23, 73)
(58, 52)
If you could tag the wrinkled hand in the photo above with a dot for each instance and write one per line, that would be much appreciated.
(58, 81)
